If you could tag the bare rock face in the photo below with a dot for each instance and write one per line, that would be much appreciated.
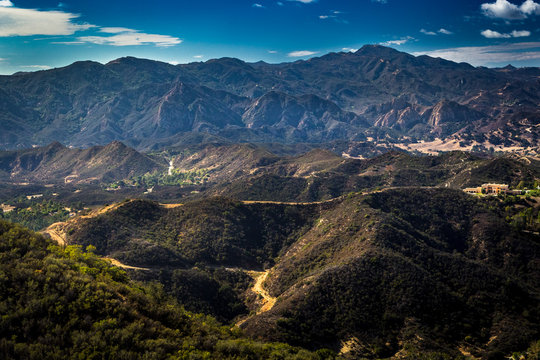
(338, 96)
(452, 112)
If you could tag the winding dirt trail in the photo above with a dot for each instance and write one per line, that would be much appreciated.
(124, 266)
(55, 233)
(267, 299)
(248, 202)
(56, 230)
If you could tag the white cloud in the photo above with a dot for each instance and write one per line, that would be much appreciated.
(424, 31)
(68, 42)
(301, 53)
(490, 34)
(520, 33)
(503, 9)
(39, 67)
(280, 3)
(485, 55)
(380, 1)
(272, 52)
(304, 1)
(115, 30)
(132, 38)
(349, 49)
(173, 62)
(26, 22)
(335, 15)
(433, 33)
(529, 7)
(198, 56)
(257, 6)
(397, 42)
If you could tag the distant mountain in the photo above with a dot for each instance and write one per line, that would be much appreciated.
(56, 163)
(376, 94)
(255, 172)
(249, 172)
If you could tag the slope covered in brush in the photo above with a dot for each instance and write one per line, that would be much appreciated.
(56, 163)
(65, 303)
(216, 231)
(397, 271)
(407, 270)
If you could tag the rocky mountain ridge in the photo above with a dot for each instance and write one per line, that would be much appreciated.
(375, 94)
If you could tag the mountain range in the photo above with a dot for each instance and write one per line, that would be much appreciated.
(376, 94)
(254, 172)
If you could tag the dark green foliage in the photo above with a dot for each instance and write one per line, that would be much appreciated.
(524, 213)
(268, 187)
(505, 171)
(216, 291)
(433, 263)
(67, 304)
(176, 178)
(212, 291)
(382, 268)
(445, 216)
(112, 232)
(330, 177)
(38, 215)
(213, 231)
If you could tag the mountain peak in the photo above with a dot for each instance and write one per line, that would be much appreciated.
(228, 61)
(379, 50)
(124, 60)
(87, 64)
(116, 144)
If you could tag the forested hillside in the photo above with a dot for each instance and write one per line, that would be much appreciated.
(408, 271)
(66, 303)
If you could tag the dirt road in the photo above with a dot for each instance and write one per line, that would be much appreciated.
(267, 299)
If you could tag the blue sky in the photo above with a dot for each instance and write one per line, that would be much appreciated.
(43, 34)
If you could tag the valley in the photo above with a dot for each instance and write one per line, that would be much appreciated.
(354, 205)
(377, 241)
(384, 257)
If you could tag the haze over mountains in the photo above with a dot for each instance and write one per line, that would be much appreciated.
(374, 93)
